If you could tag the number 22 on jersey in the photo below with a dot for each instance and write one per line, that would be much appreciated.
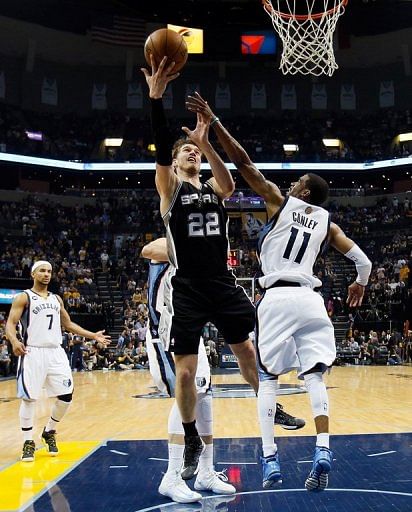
(200, 224)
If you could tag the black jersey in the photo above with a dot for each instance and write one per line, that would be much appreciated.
(196, 225)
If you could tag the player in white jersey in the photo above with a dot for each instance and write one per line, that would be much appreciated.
(163, 372)
(42, 360)
(293, 329)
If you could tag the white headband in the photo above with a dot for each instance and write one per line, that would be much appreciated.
(37, 264)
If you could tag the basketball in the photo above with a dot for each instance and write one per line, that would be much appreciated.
(166, 43)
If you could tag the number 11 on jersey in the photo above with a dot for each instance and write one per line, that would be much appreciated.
(291, 242)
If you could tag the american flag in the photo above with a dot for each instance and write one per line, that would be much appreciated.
(119, 30)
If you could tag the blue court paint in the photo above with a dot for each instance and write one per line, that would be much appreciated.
(358, 483)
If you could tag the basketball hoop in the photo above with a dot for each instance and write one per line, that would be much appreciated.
(307, 36)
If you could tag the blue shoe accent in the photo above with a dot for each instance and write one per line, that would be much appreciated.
(271, 471)
(318, 477)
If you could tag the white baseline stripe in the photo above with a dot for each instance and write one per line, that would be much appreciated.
(116, 467)
(155, 458)
(381, 453)
(370, 491)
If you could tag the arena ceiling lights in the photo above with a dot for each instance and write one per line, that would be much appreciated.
(331, 143)
(113, 142)
(290, 148)
(150, 166)
(405, 137)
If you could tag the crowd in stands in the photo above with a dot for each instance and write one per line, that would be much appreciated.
(376, 347)
(69, 136)
(107, 237)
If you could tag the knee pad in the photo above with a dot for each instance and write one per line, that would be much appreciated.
(65, 398)
(204, 414)
(174, 424)
(26, 413)
(318, 395)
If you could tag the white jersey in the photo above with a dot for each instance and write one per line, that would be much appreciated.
(290, 243)
(40, 322)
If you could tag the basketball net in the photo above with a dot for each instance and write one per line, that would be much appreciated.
(307, 38)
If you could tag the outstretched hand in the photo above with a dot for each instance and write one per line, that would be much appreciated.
(200, 135)
(198, 105)
(102, 338)
(160, 77)
(355, 295)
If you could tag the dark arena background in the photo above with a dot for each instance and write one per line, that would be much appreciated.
(77, 166)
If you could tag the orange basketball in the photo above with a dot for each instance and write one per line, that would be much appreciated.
(166, 43)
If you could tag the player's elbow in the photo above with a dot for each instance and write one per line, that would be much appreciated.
(145, 252)
(228, 189)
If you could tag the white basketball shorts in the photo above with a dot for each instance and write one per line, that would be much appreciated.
(45, 368)
(293, 331)
(162, 367)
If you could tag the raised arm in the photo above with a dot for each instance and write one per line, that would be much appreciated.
(222, 181)
(237, 154)
(166, 179)
(350, 250)
(16, 311)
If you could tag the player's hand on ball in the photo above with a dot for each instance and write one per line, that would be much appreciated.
(355, 295)
(160, 77)
(102, 338)
(198, 105)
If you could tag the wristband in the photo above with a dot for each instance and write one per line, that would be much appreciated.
(362, 263)
(214, 120)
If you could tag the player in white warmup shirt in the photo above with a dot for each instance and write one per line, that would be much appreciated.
(42, 362)
(293, 329)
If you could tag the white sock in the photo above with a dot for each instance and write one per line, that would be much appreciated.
(322, 440)
(175, 457)
(58, 411)
(26, 415)
(206, 459)
(267, 411)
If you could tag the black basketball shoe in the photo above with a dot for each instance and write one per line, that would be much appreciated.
(287, 421)
(28, 451)
(194, 448)
(49, 440)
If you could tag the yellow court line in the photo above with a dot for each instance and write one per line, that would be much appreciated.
(22, 482)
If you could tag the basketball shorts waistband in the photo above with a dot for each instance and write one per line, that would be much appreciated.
(280, 283)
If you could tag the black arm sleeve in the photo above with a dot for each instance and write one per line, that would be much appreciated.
(161, 133)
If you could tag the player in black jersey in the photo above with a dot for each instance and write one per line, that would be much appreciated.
(202, 288)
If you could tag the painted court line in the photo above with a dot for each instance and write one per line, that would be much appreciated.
(236, 463)
(371, 491)
(116, 467)
(156, 458)
(56, 480)
(381, 453)
(119, 453)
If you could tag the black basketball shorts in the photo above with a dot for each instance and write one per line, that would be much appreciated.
(198, 301)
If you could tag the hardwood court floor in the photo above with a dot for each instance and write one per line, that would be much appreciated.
(364, 400)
